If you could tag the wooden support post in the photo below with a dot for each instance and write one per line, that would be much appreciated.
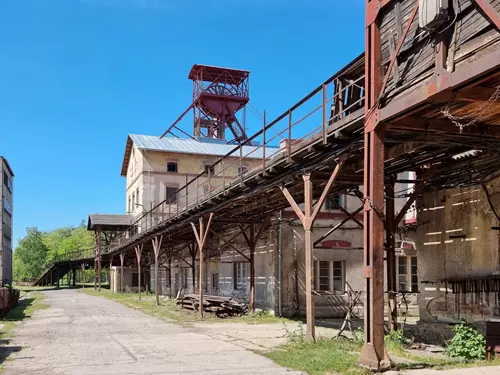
(251, 239)
(192, 252)
(156, 248)
(391, 226)
(201, 237)
(83, 275)
(307, 218)
(74, 277)
(122, 260)
(138, 253)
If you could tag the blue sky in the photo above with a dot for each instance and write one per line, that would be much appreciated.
(76, 76)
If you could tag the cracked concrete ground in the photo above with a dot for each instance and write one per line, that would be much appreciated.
(81, 334)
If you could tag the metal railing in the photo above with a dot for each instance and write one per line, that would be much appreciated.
(332, 101)
(67, 257)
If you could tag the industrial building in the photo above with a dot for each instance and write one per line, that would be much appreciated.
(418, 107)
(6, 215)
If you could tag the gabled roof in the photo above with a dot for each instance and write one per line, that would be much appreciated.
(204, 146)
(109, 222)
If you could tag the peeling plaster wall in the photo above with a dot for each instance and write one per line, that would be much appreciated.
(453, 212)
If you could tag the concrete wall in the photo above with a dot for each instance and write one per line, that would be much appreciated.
(116, 281)
(457, 212)
(223, 265)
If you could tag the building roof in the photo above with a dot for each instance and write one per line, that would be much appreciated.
(218, 74)
(204, 146)
(7, 165)
(109, 222)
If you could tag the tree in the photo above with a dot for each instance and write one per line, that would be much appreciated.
(30, 256)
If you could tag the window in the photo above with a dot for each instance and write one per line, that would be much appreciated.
(240, 275)
(133, 202)
(414, 275)
(7, 206)
(402, 273)
(333, 202)
(329, 276)
(171, 194)
(137, 196)
(7, 181)
(208, 169)
(215, 283)
(242, 170)
(323, 275)
(129, 204)
(407, 274)
(172, 167)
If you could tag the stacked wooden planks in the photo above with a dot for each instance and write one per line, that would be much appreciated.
(222, 307)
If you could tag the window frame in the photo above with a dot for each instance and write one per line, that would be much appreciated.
(174, 201)
(409, 278)
(242, 170)
(172, 163)
(330, 199)
(240, 275)
(333, 265)
(208, 170)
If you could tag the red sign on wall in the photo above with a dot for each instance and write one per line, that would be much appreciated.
(332, 244)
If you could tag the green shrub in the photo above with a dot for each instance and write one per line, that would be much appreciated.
(467, 344)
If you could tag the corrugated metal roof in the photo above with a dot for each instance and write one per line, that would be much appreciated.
(200, 147)
(109, 221)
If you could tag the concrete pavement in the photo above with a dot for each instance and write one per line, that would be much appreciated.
(81, 334)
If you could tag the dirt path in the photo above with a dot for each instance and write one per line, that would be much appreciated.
(81, 334)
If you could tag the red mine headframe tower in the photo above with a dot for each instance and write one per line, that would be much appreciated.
(219, 94)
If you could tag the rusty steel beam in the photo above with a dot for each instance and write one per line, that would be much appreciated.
(228, 243)
(390, 237)
(157, 241)
(122, 260)
(374, 354)
(307, 219)
(251, 241)
(138, 253)
(201, 237)
(436, 89)
(351, 216)
(444, 127)
(490, 12)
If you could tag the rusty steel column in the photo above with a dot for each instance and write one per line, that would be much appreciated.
(307, 219)
(390, 238)
(83, 275)
(201, 237)
(138, 253)
(98, 245)
(252, 267)
(373, 354)
(122, 260)
(156, 248)
(251, 241)
(308, 247)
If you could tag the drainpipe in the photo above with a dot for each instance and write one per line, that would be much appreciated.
(280, 265)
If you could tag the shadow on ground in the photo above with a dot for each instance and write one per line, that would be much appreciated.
(16, 314)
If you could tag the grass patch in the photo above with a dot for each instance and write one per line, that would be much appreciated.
(329, 356)
(168, 310)
(325, 356)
